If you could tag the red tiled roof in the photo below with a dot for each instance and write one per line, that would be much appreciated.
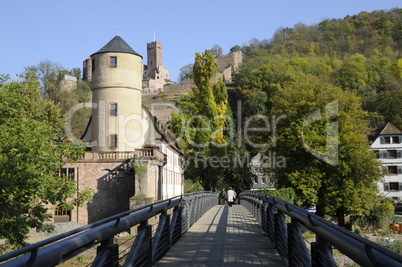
(390, 129)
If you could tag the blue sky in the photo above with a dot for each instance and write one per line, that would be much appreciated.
(67, 32)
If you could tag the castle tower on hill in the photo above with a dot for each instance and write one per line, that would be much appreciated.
(156, 76)
(155, 69)
(154, 58)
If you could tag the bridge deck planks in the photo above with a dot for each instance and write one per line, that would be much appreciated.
(224, 236)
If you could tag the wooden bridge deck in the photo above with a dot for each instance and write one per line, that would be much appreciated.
(224, 236)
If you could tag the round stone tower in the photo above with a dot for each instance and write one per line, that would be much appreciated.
(116, 93)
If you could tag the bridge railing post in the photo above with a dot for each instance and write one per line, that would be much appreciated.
(298, 254)
(161, 241)
(107, 254)
(259, 214)
(141, 250)
(264, 217)
(271, 223)
(321, 254)
(281, 238)
(176, 225)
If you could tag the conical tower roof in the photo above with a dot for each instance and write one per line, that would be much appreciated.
(117, 45)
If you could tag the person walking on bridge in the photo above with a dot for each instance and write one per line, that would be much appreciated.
(222, 196)
(231, 196)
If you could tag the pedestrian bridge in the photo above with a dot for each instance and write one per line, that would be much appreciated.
(193, 230)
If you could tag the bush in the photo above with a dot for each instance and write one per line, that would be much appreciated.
(286, 194)
(191, 186)
(395, 246)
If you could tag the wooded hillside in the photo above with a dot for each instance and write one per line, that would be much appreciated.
(360, 52)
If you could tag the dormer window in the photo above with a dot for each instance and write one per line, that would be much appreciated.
(395, 139)
(113, 62)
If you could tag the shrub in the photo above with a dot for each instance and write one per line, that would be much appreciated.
(286, 194)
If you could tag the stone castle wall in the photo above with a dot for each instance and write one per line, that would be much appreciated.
(112, 189)
(234, 59)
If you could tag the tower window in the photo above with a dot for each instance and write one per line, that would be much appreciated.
(93, 64)
(113, 109)
(113, 140)
(113, 62)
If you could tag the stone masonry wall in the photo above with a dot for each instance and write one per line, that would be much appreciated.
(112, 190)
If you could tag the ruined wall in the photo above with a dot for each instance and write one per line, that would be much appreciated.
(234, 59)
(157, 83)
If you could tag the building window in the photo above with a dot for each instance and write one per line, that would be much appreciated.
(387, 140)
(113, 109)
(93, 64)
(395, 140)
(113, 62)
(62, 215)
(59, 211)
(67, 173)
(391, 154)
(113, 140)
(394, 186)
(392, 170)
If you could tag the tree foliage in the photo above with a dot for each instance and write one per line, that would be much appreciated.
(328, 158)
(205, 125)
(186, 72)
(31, 154)
(51, 76)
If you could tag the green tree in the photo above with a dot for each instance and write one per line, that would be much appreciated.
(186, 72)
(235, 48)
(396, 69)
(31, 154)
(51, 75)
(324, 141)
(206, 127)
(389, 104)
(217, 51)
(353, 73)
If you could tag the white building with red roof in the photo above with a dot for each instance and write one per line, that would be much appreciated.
(388, 145)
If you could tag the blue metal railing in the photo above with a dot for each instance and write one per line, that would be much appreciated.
(288, 240)
(176, 215)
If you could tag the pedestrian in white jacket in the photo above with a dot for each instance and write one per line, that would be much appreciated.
(231, 195)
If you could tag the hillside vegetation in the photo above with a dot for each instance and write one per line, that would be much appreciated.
(360, 53)
(310, 96)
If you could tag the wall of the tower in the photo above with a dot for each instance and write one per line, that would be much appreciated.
(117, 116)
(87, 70)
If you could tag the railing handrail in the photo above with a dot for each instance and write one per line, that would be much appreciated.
(364, 251)
(130, 218)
